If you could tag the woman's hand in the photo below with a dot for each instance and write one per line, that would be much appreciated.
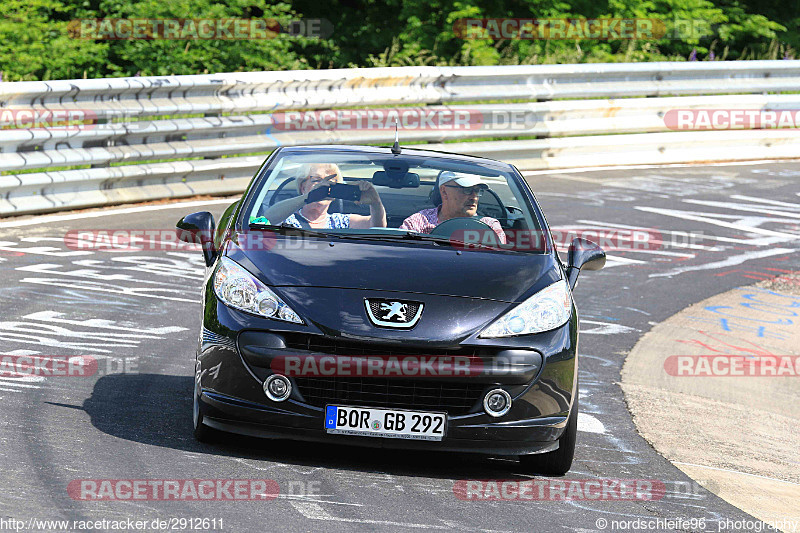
(377, 213)
(369, 196)
(315, 186)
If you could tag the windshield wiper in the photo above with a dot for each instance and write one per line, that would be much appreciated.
(406, 236)
(413, 236)
(452, 242)
(283, 229)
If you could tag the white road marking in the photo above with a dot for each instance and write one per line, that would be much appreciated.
(765, 201)
(611, 242)
(17, 377)
(694, 236)
(47, 328)
(589, 424)
(683, 234)
(744, 207)
(13, 383)
(606, 328)
(53, 316)
(22, 332)
(311, 510)
(658, 252)
(316, 499)
(9, 246)
(731, 261)
(315, 511)
(699, 217)
(143, 292)
(54, 269)
(616, 260)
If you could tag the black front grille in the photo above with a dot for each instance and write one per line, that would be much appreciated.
(453, 397)
(425, 394)
(409, 311)
(325, 345)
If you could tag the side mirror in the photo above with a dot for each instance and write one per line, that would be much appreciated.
(198, 228)
(583, 255)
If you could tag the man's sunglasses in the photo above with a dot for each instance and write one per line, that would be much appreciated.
(468, 191)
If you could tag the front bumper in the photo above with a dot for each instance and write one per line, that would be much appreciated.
(514, 438)
(232, 398)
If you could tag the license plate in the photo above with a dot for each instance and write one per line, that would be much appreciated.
(389, 423)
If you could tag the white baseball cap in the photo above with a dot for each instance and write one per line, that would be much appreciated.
(464, 180)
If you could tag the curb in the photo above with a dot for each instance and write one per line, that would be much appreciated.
(731, 421)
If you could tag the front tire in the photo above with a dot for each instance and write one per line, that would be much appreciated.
(202, 433)
(558, 462)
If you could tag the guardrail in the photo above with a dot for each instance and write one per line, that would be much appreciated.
(215, 120)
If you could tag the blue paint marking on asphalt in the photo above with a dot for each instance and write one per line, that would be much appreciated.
(716, 309)
(330, 416)
(730, 325)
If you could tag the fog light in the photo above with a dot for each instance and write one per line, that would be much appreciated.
(277, 387)
(497, 402)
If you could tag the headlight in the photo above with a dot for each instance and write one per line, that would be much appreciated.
(547, 309)
(238, 288)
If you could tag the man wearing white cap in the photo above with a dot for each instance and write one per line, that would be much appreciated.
(460, 194)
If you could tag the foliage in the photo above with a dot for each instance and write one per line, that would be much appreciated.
(35, 42)
(197, 56)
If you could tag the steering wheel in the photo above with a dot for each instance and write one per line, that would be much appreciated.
(455, 228)
(274, 196)
(503, 209)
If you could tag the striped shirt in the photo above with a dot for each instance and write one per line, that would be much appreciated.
(427, 219)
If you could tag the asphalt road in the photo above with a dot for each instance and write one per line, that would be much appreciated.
(137, 313)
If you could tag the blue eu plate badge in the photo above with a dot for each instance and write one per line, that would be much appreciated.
(330, 416)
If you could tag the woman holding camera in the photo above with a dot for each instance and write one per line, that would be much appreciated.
(299, 212)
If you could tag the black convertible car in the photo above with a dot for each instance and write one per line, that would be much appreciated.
(390, 297)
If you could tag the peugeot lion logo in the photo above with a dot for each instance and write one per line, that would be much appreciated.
(393, 313)
(396, 309)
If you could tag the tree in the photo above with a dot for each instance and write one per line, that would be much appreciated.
(35, 45)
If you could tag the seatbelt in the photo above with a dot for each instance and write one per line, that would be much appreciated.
(302, 220)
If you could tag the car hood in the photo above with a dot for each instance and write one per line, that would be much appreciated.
(422, 268)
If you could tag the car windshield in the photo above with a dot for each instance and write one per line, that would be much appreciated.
(382, 196)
